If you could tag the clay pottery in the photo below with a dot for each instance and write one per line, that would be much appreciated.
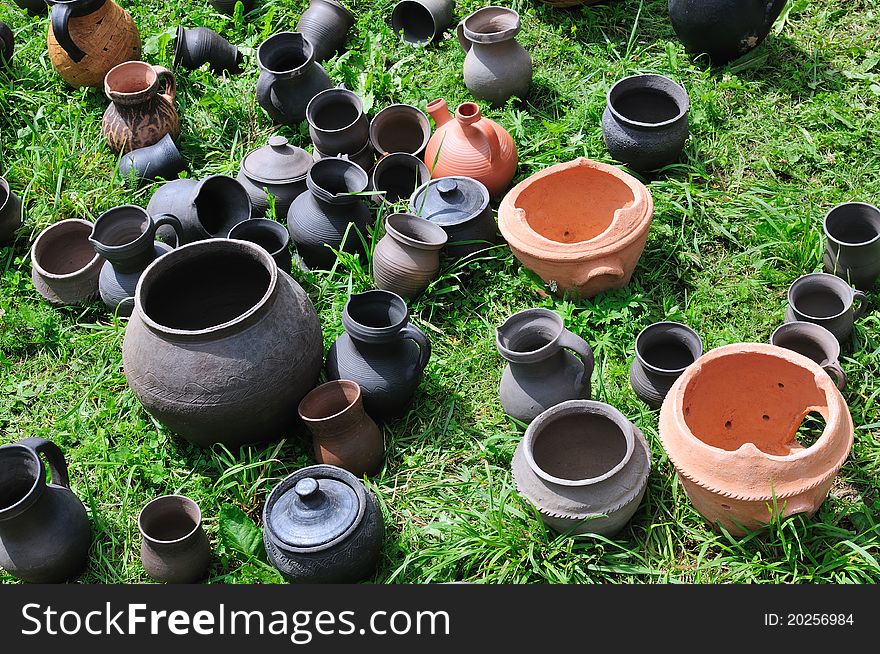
(663, 351)
(269, 235)
(826, 300)
(380, 350)
(407, 259)
(174, 547)
(33, 7)
(139, 115)
(228, 6)
(126, 238)
(64, 266)
(645, 123)
(342, 433)
(162, 160)
(172, 197)
(10, 213)
(852, 243)
(584, 467)
(278, 169)
(289, 77)
(325, 23)
(814, 342)
(729, 426)
(723, 29)
(44, 529)
(400, 128)
(540, 371)
(197, 46)
(364, 157)
(421, 22)
(472, 146)
(329, 216)
(580, 225)
(7, 44)
(460, 205)
(337, 122)
(321, 525)
(221, 346)
(397, 176)
(89, 37)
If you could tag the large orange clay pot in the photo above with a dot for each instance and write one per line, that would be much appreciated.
(470, 146)
(580, 225)
(729, 425)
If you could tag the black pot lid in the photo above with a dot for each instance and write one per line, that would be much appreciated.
(450, 200)
(277, 163)
(314, 511)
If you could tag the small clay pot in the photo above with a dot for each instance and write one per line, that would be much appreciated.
(325, 23)
(10, 213)
(228, 6)
(64, 265)
(421, 22)
(826, 300)
(277, 168)
(161, 160)
(400, 128)
(407, 259)
(852, 243)
(814, 342)
(197, 46)
(174, 547)
(663, 351)
(7, 44)
(396, 176)
(364, 157)
(337, 122)
(271, 236)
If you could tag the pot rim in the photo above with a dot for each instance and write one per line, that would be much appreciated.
(151, 86)
(351, 325)
(849, 243)
(666, 323)
(320, 97)
(826, 335)
(178, 45)
(673, 89)
(423, 120)
(441, 236)
(418, 167)
(397, 27)
(496, 36)
(268, 222)
(308, 50)
(97, 259)
(17, 508)
(113, 249)
(325, 388)
(165, 499)
(820, 275)
(538, 354)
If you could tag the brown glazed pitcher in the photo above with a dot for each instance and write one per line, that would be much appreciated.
(139, 116)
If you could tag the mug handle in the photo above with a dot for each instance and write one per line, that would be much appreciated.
(416, 334)
(836, 373)
(571, 341)
(172, 221)
(61, 29)
(170, 82)
(54, 455)
(863, 303)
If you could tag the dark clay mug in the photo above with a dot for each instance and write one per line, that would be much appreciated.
(825, 300)
(814, 342)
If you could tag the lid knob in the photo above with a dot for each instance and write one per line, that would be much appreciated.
(277, 141)
(306, 488)
(447, 186)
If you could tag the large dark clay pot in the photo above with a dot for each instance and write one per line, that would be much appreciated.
(337, 122)
(460, 205)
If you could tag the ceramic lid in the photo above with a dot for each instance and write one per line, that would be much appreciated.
(277, 163)
(449, 200)
(314, 511)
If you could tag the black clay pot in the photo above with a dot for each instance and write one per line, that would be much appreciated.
(161, 160)
(337, 123)
(34, 7)
(199, 45)
(852, 243)
(7, 44)
(174, 546)
(325, 23)
(10, 213)
(663, 351)
(271, 236)
(460, 205)
(279, 169)
(228, 6)
(397, 176)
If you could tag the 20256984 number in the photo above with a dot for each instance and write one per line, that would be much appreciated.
(819, 619)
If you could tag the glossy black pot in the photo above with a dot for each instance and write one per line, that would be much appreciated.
(199, 45)
(325, 23)
(161, 160)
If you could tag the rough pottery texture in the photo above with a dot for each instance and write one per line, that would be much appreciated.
(325, 23)
(407, 259)
(580, 225)
(729, 426)
(64, 266)
(828, 301)
(10, 213)
(174, 547)
(663, 351)
(852, 243)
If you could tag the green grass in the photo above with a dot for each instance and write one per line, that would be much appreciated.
(776, 140)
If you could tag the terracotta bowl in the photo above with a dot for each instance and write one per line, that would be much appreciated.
(64, 265)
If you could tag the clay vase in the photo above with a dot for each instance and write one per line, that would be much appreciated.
(278, 169)
(852, 243)
(44, 529)
(337, 123)
(460, 205)
(197, 46)
(228, 6)
(89, 37)
(162, 160)
(472, 146)
(584, 467)
(329, 216)
(580, 225)
(126, 238)
(342, 433)
(380, 350)
(723, 29)
(33, 7)
(396, 177)
(7, 44)
(407, 259)
(663, 351)
(826, 300)
(269, 235)
(174, 547)
(321, 525)
(814, 342)
(541, 372)
(64, 265)
(400, 128)
(325, 23)
(10, 213)
(289, 77)
(729, 426)
(421, 22)
(221, 346)
(645, 123)
(496, 67)
(139, 115)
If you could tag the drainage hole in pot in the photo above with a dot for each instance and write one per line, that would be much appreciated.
(728, 425)
(726, 507)
(579, 447)
(781, 385)
(811, 428)
(765, 417)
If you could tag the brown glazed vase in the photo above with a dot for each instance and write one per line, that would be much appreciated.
(64, 266)
(342, 433)
(729, 426)
(580, 225)
(174, 547)
(407, 259)
(139, 115)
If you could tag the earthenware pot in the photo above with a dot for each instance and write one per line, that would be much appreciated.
(289, 77)
(472, 146)
(421, 21)
(460, 205)
(663, 351)
(228, 6)
(7, 44)
(337, 122)
(814, 342)
(852, 243)
(139, 115)
(329, 216)
(580, 225)
(279, 169)
(325, 23)
(33, 7)
(541, 372)
(342, 433)
(407, 259)
(321, 525)
(221, 346)
(64, 265)
(10, 213)
(645, 123)
(400, 128)
(162, 160)
(826, 300)
(584, 466)
(380, 350)
(89, 37)
(723, 29)
(44, 529)
(364, 157)
(271, 236)
(197, 46)
(174, 547)
(729, 425)
(396, 177)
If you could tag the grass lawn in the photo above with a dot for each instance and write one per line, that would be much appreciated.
(776, 140)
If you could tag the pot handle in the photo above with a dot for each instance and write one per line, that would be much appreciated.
(488, 132)
(61, 29)
(571, 341)
(836, 373)
(54, 455)
(463, 41)
(172, 221)
(863, 304)
(416, 334)
(611, 270)
(170, 82)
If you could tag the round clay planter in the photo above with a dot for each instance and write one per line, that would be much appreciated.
(580, 225)
(729, 426)
(64, 265)
(663, 351)
(407, 259)
(174, 546)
